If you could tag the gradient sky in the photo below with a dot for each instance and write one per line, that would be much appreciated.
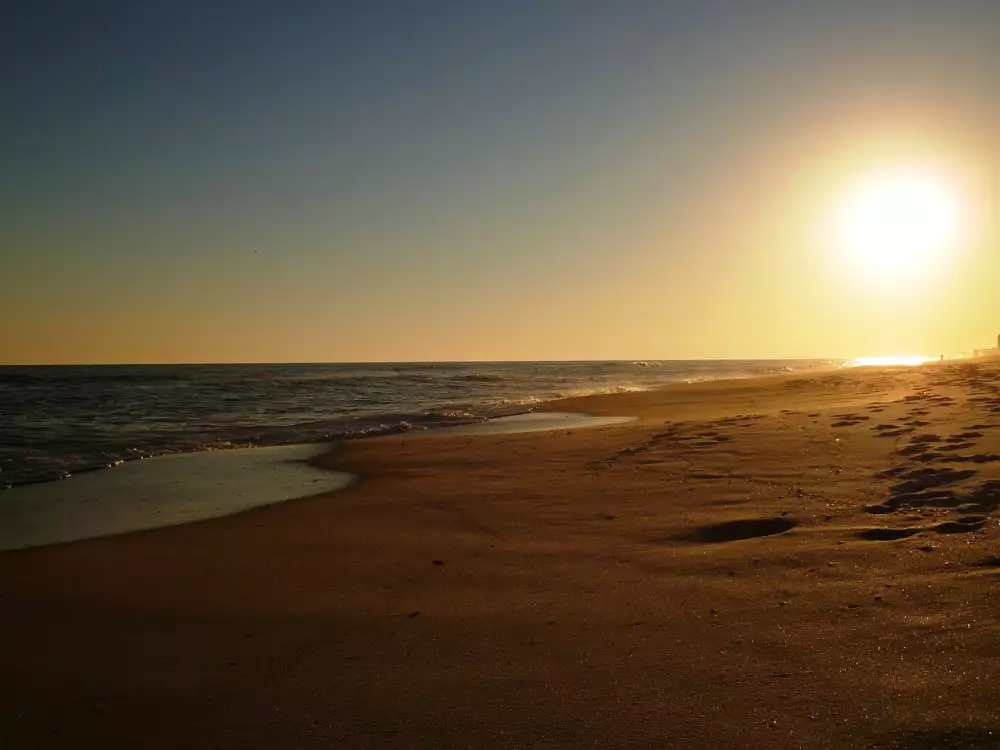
(241, 180)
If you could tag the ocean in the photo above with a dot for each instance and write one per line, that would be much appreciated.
(58, 421)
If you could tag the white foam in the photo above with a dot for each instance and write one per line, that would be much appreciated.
(532, 422)
(162, 491)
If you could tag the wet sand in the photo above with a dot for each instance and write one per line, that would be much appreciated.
(785, 562)
(162, 491)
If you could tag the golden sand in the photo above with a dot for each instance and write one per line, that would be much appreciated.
(786, 562)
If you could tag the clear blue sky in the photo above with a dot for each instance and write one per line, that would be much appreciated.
(315, 181)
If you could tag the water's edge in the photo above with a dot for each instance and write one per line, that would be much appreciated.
(67, 421)
(185, 488)
(163, 491)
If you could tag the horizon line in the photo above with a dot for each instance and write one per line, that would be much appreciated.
(427, 362)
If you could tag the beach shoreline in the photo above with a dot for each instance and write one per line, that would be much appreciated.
(159, 492)
(797, 560)
(169, 409)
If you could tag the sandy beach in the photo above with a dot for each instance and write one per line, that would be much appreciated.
(787, 562)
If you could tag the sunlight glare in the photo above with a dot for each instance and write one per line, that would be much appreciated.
(898, 222)
(890, 361)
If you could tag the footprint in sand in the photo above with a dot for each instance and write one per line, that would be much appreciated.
(910, 501)
(956, 446)
(963, 525)
(746, 528)
(926, 478)
(849, 420)
(891, 430)
(926, 437)
(975, 458)
(924, 457)
(942, 400)
(973, 507)
(985, 498)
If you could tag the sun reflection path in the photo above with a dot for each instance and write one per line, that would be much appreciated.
(891, 361)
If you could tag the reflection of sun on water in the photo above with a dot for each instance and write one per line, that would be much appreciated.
(898, 223)
(890, 361)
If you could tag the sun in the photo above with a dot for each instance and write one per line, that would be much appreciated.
(898, 222)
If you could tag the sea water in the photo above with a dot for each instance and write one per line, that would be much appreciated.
(56, 422)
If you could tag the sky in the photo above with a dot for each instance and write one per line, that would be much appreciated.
(257, 181)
